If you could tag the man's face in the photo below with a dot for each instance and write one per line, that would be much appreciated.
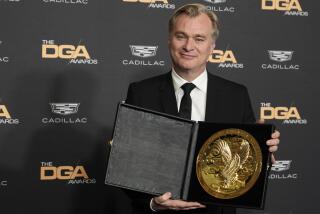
(191, 43)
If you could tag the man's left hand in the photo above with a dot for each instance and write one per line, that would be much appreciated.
(273, 144)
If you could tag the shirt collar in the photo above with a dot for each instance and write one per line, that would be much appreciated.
(200, 82)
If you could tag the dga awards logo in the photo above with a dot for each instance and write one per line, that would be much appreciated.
(219, 6)
(288, 7)
(64, 110)
(288, 115)
(3, 59)
(71, 2)
(281, 61)
(225, 59)
(70, 174)
(157, 4)
(141, 54)
(74, 54)
(5, 116)
(281, 170)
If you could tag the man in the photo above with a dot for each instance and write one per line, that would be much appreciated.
(193, 31)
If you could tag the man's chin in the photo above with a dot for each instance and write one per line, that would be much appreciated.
(185, 69)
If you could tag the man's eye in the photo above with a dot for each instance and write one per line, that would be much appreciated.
(199, 39)
(180, 36)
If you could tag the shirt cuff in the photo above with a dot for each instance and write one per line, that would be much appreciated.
(151, 205)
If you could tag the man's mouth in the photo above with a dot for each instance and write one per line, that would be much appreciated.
(187, 56)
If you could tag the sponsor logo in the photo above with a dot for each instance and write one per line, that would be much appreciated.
(3, 183)
(216, 1)
(64, 109)
(66, 1)
(289, 7)
(71, 174)
(157, 4)
(5, 117)
(74, 54)
(225, 59)
(281, 165)
(280, 57)
(11, 1)
(281, 170)
(3, 59)
(213, 7)
(288, 115)
(143, 52)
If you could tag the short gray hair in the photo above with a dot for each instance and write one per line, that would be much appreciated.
(194, 10)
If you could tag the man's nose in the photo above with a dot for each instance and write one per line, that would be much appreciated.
(189, 45)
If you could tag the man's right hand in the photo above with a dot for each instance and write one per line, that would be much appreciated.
(163, 202)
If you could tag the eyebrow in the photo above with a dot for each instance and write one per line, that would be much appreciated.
(196, 35)
(200, 35)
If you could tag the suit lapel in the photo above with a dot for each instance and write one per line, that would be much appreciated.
(167, 96)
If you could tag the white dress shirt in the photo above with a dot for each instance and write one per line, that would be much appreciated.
(198, 94)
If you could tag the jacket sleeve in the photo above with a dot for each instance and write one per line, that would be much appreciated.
(132, 95)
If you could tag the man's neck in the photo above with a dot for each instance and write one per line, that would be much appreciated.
(188, 75)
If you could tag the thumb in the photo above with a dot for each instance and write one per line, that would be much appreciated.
(162, 198)
(273, 159)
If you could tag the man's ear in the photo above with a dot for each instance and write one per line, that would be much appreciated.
(169, 41)
(213, 46)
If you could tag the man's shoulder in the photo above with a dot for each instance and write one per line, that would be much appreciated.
(151, 82)
(224, 84)
(218, 82)
(147, 93)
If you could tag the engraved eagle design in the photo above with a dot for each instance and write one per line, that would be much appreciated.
(228, 164)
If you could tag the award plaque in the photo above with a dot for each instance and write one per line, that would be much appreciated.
(212, 163)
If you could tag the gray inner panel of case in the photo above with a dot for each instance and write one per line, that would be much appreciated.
(149, 152)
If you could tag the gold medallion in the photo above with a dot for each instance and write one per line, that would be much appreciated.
(229, 163)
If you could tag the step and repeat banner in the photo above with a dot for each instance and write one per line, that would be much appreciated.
(65, 64)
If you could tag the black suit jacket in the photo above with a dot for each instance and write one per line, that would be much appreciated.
(227, 102)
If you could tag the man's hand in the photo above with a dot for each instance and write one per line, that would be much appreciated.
(273, 144)
(163, 202)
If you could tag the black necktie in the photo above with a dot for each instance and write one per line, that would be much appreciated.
(185, 104)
